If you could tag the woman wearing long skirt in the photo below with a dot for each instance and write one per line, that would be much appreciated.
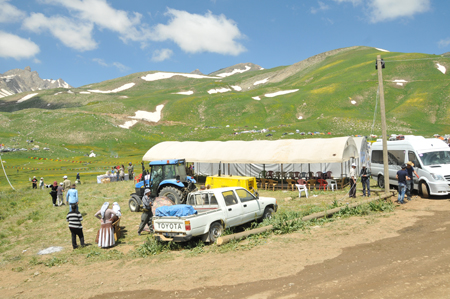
(105, 236)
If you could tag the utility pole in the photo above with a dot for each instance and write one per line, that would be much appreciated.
(380, 65)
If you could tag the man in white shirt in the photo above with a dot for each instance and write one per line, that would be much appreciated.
(352, 192)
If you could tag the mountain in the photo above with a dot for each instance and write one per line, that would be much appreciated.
(18, 80)
(334, 91)
(197, 72)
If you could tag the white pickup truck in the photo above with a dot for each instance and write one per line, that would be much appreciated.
(217, 209)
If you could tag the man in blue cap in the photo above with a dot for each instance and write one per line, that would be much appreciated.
(147, 214)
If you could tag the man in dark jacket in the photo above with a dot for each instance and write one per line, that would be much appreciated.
(402, 177)
(365, 179)
(146, 218)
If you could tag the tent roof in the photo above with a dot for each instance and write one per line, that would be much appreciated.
(315, 150)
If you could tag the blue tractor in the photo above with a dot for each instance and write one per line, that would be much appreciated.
(164, 178)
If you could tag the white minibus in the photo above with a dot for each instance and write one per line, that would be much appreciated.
(431, 158)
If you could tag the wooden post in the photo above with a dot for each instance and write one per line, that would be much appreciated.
(281, 175)
(383, 126)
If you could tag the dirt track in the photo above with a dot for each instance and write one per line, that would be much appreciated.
(414, 264)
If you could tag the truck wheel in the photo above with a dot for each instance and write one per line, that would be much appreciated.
(134, 203)
(267, 213)
(424, 189)
(173, 193)
(215, 231)
(381, 181)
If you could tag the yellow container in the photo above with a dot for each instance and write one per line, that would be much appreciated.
(247, 182)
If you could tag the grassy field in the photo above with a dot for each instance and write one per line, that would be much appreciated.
(30, 223)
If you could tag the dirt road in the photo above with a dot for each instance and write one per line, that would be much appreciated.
(414, 264)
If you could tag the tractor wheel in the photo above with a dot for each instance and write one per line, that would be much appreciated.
(173, 193)
(134, 203)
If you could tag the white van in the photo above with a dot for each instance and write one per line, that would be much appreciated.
(431, 158)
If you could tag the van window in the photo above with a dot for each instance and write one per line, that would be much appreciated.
(413, 158)
(434, 158)
(396, 157)
(377, 157)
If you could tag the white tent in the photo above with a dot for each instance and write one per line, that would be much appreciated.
(315, 150)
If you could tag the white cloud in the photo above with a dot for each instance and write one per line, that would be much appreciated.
(354, 2)
(384, 10)
(10, 13)
(118, 65)
(195, 33)
(103, 15)
(444, 43)
(322, 7)
(73, 34)
(13, 46)
(161, 55)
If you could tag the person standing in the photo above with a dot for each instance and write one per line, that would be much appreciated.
(41, 184)
(352, 192)
(59, 193)
(34, 183)
(54, 192)
(74, 218)
(117, 173)
(105, 236)
(130, 171)
(146, 217)
(410, 183)
(365, 180)
(78, 181)
(122, 173)
(72, 197)
(402, 177)
(67, 183)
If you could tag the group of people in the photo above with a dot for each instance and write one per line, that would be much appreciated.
(364, 174)
(119, 171)
(57, 192)
(404, 178)
(405, 182)
(105, 235)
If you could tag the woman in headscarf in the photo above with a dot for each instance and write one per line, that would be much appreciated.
(116, 210)
(54, 192)
(105, 236)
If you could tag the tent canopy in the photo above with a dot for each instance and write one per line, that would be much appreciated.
(315, 150)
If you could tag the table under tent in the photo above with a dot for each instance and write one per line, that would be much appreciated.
(282, 162)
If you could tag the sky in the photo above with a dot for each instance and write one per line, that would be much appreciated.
(89, 41)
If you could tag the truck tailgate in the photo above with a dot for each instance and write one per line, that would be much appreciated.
(169, 225)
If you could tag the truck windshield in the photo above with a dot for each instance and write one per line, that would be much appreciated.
(434, 158)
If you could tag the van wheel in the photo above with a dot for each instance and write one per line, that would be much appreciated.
(424, 189)
(215, 231)
(381, 182)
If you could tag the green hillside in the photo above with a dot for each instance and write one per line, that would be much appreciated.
(73, 124)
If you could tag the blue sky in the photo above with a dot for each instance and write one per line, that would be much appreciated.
(89, 41)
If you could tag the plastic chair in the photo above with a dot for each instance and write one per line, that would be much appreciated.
(332, 184)
(310, 183)
(319, 175)
(269, 174)
(322, 184)
(278, 175)
(302, 188)
(296, 175)
(303, 175)
(328, 175)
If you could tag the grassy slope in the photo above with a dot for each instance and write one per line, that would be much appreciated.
(73, 124)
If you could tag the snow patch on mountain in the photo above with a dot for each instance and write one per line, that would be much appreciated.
(121, 88)
(187, 93)
(237, 88)
(441, 68)
(149, 116)
(256, 98)
(27, 97)
(271, 95)
(235, 71)
(128, 124)
(161, 76)
(218, 90)
(261, 81)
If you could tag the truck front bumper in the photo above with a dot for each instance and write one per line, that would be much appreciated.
(177, 238)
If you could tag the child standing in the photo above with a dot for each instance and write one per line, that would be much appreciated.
(74, 218)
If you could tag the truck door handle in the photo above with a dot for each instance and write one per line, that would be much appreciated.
(229, 209)
(245, 206)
